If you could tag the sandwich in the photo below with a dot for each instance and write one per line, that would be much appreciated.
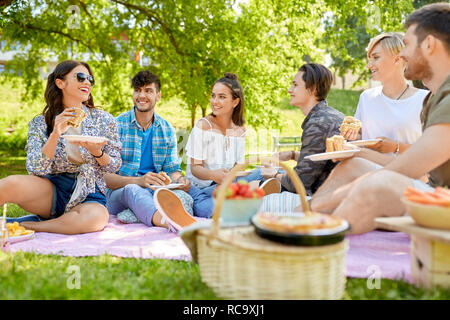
(79, 117)
(335, 143)
(350, 123)
(166, 179)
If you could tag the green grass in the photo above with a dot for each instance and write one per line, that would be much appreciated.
(35, 276)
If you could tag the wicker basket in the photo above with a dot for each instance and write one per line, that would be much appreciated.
(238, 264)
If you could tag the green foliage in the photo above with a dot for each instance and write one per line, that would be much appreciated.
(349, 25)
(190, 44)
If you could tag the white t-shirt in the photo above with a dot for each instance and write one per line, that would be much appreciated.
(398, 120)
(215, 150)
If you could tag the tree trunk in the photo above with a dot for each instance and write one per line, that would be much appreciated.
(193, 108)
(343, 82)
(203, 112)
(6, 3)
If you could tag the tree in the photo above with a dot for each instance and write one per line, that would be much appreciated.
(190, 44)
(351, 24)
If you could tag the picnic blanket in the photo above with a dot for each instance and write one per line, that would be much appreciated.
(375, 254)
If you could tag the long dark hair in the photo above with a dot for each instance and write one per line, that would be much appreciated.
(231, 81)
(54, 95)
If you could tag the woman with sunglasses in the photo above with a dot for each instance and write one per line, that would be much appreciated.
(65, 188)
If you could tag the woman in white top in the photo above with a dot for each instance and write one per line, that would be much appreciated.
(390, 112)
(217, 142)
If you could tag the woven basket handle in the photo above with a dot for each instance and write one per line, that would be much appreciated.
(222, 189)
(221, 194)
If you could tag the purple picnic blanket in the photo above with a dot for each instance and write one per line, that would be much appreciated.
(374, 254)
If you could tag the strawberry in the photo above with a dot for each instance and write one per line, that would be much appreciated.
(259, 192)
(249, 194)
(234, 188)
(243, 189)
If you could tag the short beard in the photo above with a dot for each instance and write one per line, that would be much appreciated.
(420, 69)
(151, 108)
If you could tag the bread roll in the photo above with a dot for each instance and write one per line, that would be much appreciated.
(79, 117)
(350, 122)
(338, 142)
(165, 177)
(329, 145)
(335, 143)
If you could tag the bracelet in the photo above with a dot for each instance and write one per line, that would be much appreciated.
(398, 147)
(99, 155)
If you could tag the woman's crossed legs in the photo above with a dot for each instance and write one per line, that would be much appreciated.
(35, 194)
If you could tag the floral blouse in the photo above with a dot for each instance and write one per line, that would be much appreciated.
(97, 123)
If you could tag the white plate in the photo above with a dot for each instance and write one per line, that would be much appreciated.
(261, 166)
(318, 232)
(332, 155)
(361, 143)
(21, 238)
(243, 173)
(169, 186)
(80, 138)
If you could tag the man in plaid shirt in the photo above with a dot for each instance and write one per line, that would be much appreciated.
(149, 146)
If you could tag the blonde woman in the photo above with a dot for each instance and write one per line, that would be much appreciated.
(390, 111)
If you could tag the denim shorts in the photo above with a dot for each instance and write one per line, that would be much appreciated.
(63, 187)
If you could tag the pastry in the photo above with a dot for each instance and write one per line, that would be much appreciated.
(165, 177)
(335, 143)
(80, 115)
(350, 123)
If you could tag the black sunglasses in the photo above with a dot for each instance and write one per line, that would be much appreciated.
(81, 77)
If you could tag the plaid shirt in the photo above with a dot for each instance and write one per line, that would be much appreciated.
(164, 145)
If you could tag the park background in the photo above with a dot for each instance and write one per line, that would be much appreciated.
(189, 44)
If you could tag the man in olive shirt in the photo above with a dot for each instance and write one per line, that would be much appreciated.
(377, 193)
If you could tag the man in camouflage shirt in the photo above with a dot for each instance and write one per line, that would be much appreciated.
(309, 90)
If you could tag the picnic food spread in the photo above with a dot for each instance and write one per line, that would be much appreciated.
(241, 190)
(298, 224)
(350, 123)
(15, 230)
(335, 143)
(80, 115)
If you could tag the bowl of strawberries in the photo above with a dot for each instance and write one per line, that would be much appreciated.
(240, 204)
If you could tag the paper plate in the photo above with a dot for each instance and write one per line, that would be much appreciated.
(332, 155)
(169, 186)
(21, 238)
(243, 173)
(362, 143)
(80, 138)
(261, 166)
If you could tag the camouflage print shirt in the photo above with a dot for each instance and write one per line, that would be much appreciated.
(321, 122)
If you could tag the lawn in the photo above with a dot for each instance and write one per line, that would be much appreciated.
(34, 276)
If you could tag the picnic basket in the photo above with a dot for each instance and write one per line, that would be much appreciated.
(238, 264)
